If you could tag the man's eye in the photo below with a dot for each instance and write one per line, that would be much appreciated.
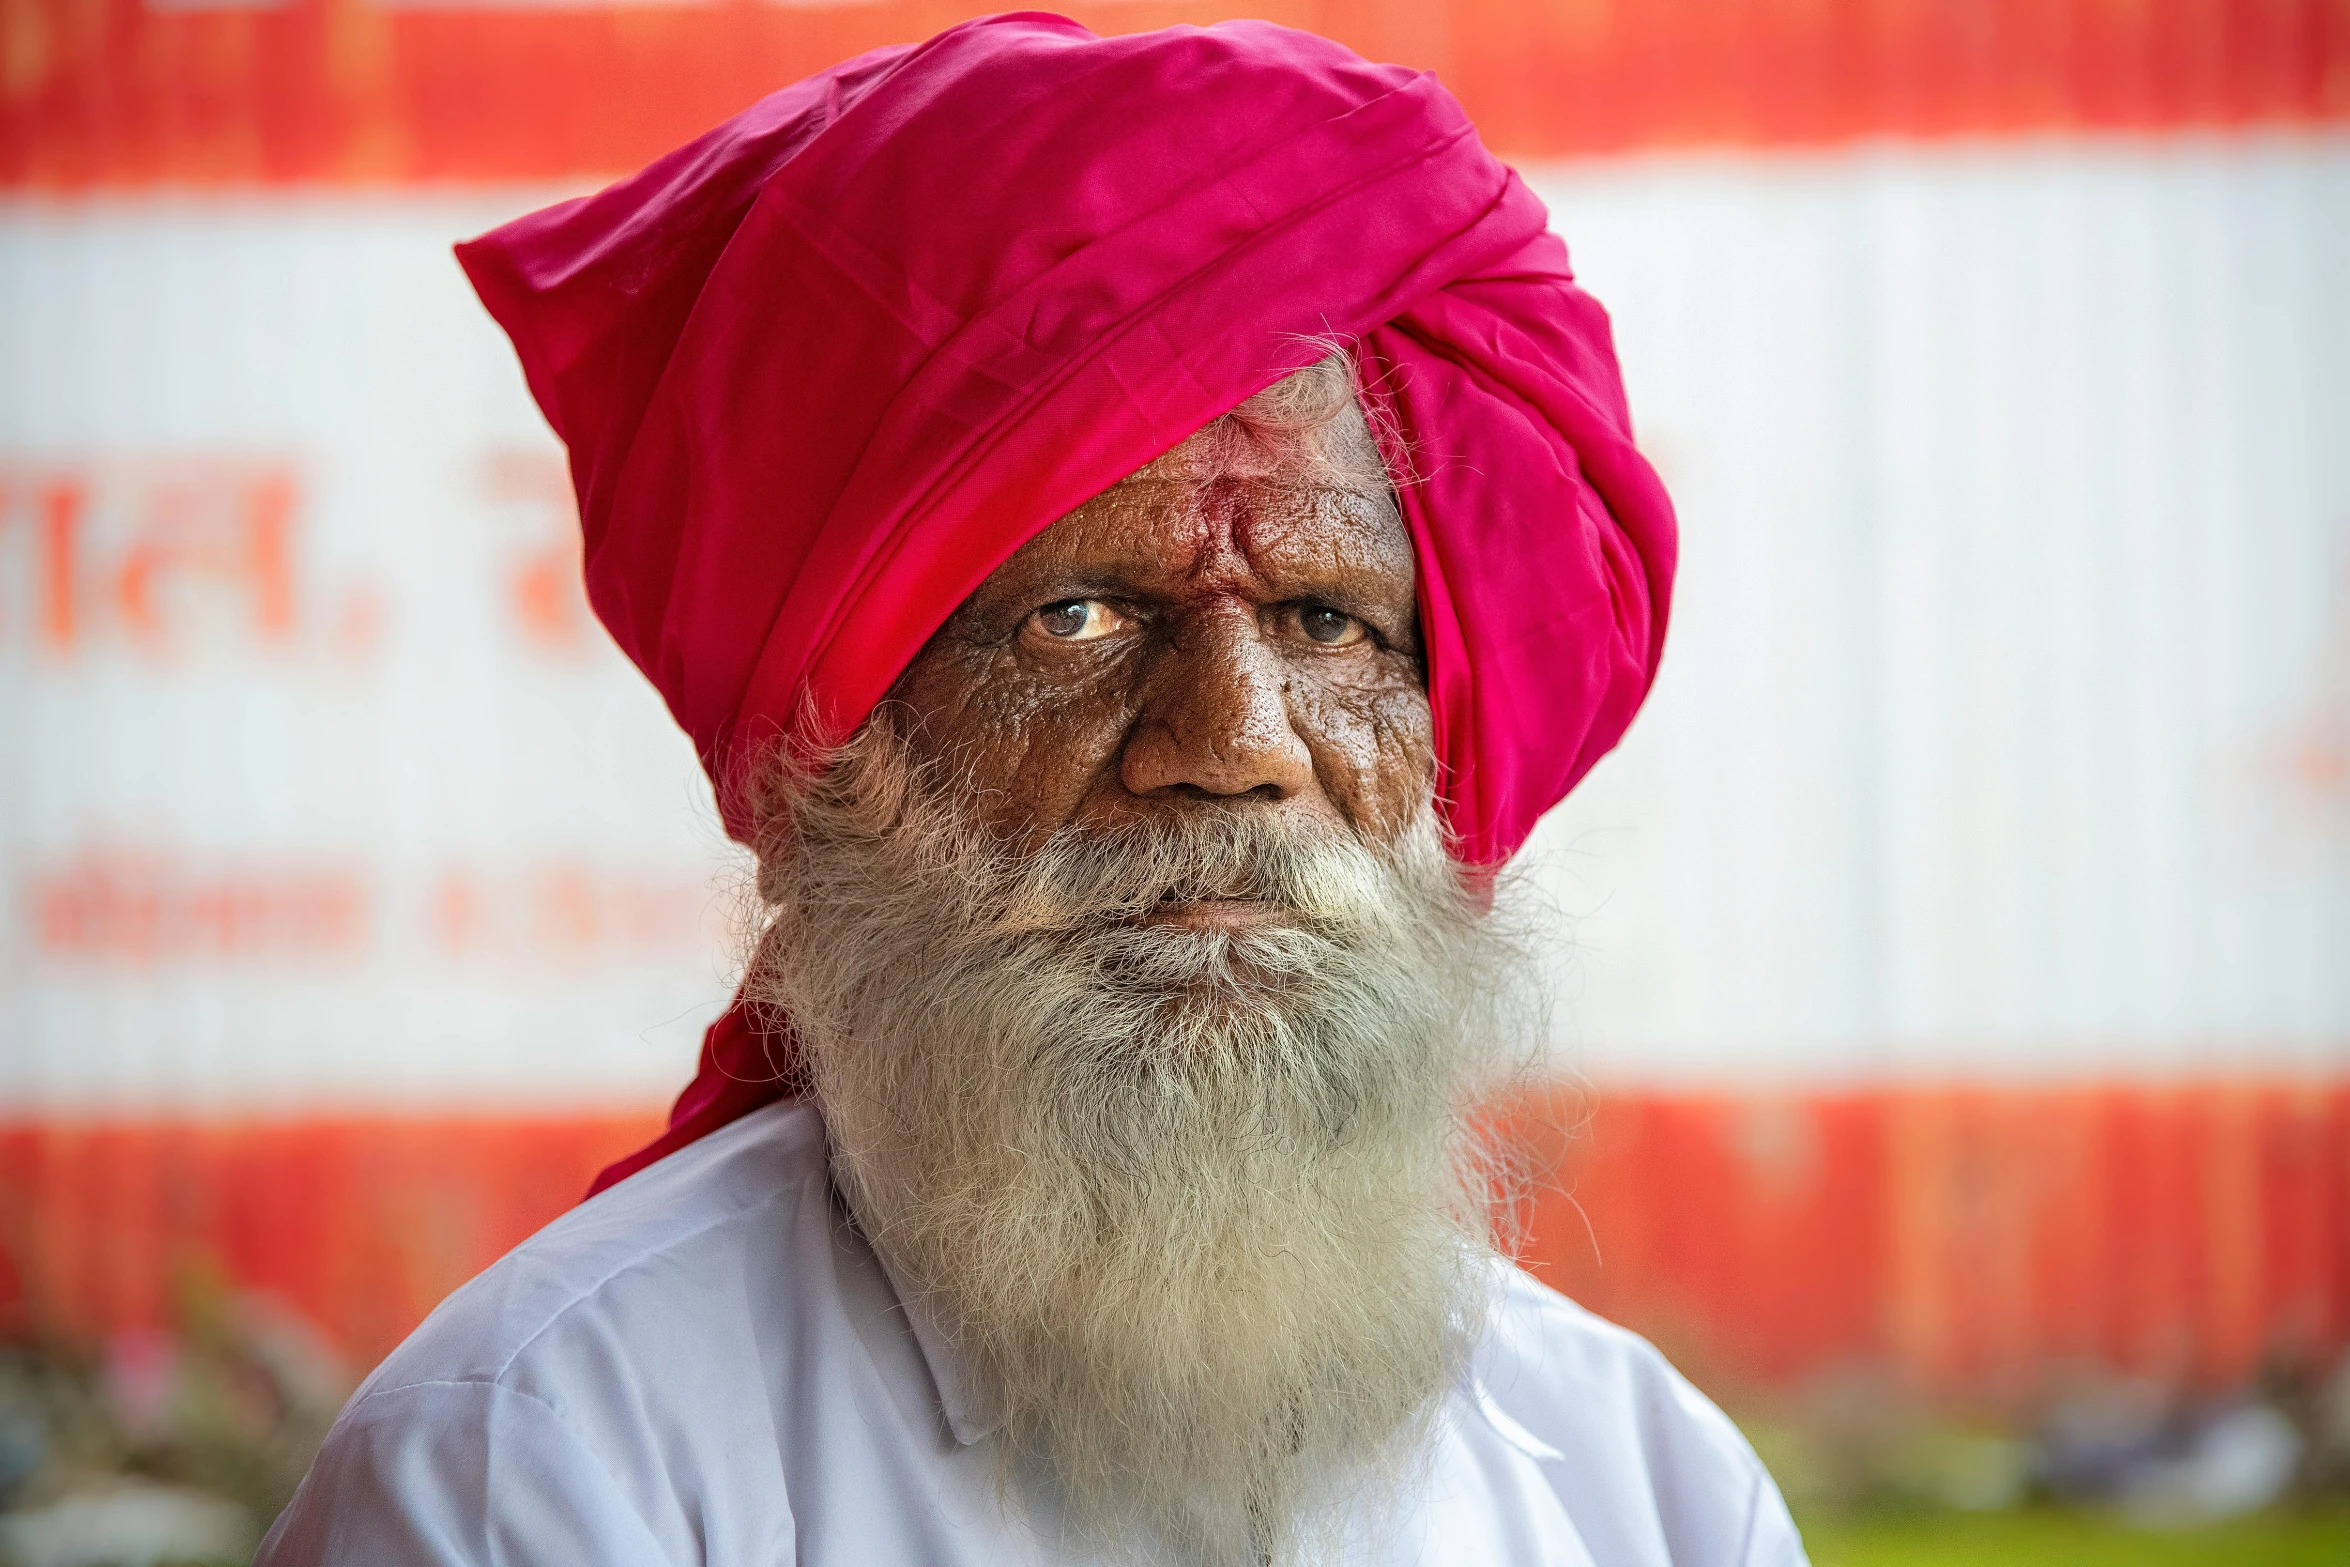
(1329, 627)
(1077, 620)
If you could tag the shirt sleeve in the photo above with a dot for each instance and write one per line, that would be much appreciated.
(1772, 1539)
(457, 1474)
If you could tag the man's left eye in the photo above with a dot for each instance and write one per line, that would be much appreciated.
(1329, 627)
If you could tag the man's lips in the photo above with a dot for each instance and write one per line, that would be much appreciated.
(1217, 913)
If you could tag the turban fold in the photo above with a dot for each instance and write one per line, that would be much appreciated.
(822, 370)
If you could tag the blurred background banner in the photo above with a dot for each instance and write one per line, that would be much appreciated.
(1960, 978)
(112, 92)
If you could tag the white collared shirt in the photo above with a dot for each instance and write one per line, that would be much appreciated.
(708, 1365)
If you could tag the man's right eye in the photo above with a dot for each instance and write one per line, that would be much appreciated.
(1076, 620)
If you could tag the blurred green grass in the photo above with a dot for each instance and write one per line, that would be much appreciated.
(2050, 1538)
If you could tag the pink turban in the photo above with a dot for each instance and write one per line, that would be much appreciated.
(825, 368)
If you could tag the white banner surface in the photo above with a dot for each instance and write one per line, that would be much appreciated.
(2005, 726)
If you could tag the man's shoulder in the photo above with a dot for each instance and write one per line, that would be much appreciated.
(1640, 1454)
(1542, 1345)
(596, 1388)
(645, 1242)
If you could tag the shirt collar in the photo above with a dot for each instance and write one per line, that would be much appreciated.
(971, 1415)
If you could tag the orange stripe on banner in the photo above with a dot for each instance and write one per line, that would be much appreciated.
(1973, 1239)
(1969, 1239)
(361, 1225)
(120, 92)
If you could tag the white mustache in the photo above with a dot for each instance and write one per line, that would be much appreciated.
(1081, 880)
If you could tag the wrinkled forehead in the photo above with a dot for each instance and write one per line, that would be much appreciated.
(1311, 505)
(1324, 445)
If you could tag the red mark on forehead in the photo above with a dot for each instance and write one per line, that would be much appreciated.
(1222, 522)
(1225, 532)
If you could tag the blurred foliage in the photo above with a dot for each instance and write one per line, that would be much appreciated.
(205, 1429)
(1856, 1443)
(2086, 1469)
(2053, 1537)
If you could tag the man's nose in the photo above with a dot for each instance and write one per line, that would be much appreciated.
(1216, 718)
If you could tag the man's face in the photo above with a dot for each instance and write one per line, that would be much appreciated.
(1142, 1000)
(1235, 623)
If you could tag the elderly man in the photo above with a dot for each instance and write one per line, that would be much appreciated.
(1138, 530)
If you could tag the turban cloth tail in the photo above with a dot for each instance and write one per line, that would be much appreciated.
(822, 370)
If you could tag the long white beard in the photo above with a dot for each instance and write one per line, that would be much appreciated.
(1200, 1210)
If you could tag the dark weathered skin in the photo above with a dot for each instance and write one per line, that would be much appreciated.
(1247, 640)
